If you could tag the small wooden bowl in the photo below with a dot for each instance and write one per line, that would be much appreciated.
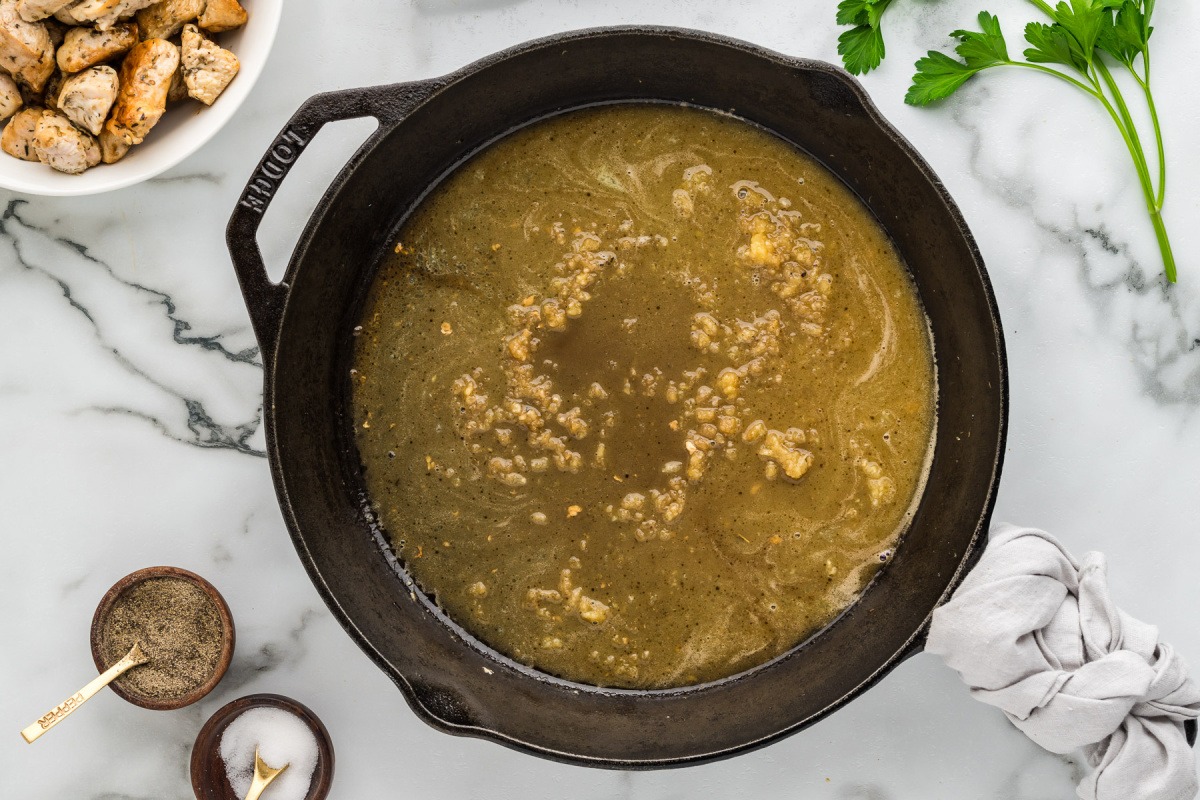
(227, 642)
(209, 780)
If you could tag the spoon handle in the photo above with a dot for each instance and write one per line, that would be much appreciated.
(257, 788)
(133, 658)
(263, 776)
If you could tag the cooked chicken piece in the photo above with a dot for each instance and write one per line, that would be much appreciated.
(86, 47)
(28, 95)
(53, 88)
(207, 67)
(105, 13)
(112, 148)
(223, 15)
(25, 47)
(62, 146)
(179, 89)
(146, 76)
(10, 96)
(22, 41)
(17, 139)
(57, 31)
(34, 10)
(164, 20)
(39, 72)
(128, 9)
(87, 98)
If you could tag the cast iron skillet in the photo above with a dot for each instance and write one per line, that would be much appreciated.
(305, 323)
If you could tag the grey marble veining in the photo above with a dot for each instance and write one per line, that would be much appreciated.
(130, 415)
(1122, 282)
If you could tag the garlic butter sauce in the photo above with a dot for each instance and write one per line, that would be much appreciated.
(644, 397)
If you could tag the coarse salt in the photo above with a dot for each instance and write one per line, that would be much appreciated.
(281, 738)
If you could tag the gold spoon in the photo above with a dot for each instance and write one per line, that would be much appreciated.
(134, 658)
(263, 775)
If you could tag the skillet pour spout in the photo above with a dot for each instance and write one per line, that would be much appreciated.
(305, 328)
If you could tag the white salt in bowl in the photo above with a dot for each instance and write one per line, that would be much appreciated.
(209, 772)
(183, 130)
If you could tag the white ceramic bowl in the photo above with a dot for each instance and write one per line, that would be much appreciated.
(183, 130)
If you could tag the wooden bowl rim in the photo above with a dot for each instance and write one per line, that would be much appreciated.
(228, 636)
(209, 738)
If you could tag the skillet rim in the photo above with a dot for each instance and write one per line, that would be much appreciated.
(912, 644)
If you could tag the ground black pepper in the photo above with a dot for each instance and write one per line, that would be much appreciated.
(181, 632)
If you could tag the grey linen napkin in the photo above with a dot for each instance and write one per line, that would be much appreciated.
(1033, 632)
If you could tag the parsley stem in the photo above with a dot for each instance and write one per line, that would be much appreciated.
(1135, 149)
(1162, 154)
(1044, 7)
(1164, 244)
(1129, 134)
(1081, 35)
(1056, 74)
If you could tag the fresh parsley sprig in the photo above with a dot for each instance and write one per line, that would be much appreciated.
(861, 47)
(1083, 35)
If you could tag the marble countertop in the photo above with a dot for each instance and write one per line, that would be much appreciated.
(130, 415)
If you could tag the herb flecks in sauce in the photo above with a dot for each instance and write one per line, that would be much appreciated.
(644, 396)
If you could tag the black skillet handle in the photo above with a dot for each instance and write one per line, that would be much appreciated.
(265, 300)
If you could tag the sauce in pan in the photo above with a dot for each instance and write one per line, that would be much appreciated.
(644, 397)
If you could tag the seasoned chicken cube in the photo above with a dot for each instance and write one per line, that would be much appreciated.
(145, 81)
(57, 31)
(86, 98)
(179, 89)
(223, 15)
(105, 13)
(10, 96)
(53, 88)
(17, 139)
(34, 10)
(26, 50)
(164, 20)
(207, 67)
(62, 146)
(40, 71)
(29, 97)
(86, 47)
(112, 148)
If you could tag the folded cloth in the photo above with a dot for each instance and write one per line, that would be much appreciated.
(1034, 633)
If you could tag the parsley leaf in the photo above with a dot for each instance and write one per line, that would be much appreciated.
(853, 12)
(1053, 45)
(861, 47)
(984, 49)
(1127, 36)
(875, 12)
(1083, 20)
(1080, 35)
(939, 76)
